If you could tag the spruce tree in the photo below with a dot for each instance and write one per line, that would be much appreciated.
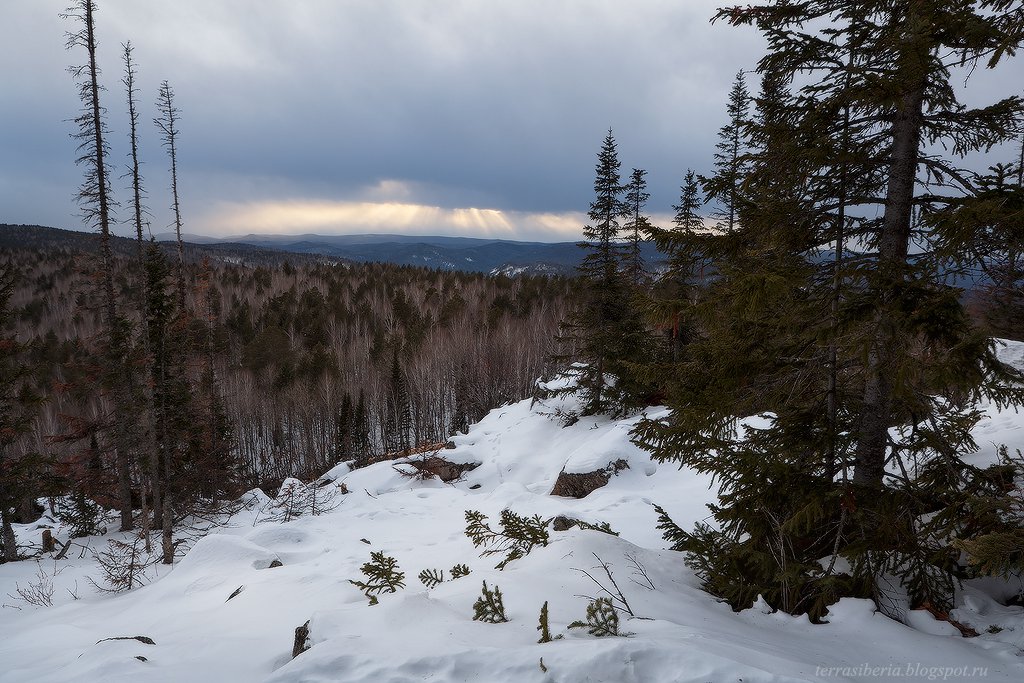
(637, 227)
(172, 392)
(361, 445)
(343, 429)
(834, 353)
(606, 328)
(670, 302)
(397, 425)
(730, 162)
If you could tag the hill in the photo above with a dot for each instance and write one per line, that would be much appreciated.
(223, 613)
(466, 254)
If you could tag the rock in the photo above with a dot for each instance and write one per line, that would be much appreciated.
(301, 636)
(562, 523)
(276, 563)
(236, 593)
(142, 639)
(572, 485)
(446, 471)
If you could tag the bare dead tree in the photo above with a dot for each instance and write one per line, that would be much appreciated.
(150, 479)
(95, 199)
(167, 122)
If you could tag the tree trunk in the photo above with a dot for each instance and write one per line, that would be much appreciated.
(115, 339)
(876, 412)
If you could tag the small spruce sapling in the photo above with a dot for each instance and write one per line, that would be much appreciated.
(382, 575)
(518, 535)
(489, 607)
(545, 631)
(431, 578)
(602, 619)
(459, 570)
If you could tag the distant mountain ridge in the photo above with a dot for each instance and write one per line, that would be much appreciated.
(471, 254)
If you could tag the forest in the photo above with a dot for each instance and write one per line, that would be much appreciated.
(317, 361)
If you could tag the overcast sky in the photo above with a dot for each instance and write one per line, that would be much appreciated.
(472, 117)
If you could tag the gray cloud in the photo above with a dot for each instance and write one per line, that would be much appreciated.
(451, 104)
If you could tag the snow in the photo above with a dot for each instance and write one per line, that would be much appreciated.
(679, 634)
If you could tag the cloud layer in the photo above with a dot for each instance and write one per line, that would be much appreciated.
(446, 115)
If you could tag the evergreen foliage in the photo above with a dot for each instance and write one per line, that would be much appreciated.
(602, 619)
(459, 570)
(382, 576)
(603, 527)
(671, 531)
(398, 422)
(545, 630)
(668, 303)
(517, 537)
(489, 607)
(989, 515)
(606, 329)
(832, 354)
(636, 228)
(81, 515)
(432, 578)
(18, 406)
(724, 186)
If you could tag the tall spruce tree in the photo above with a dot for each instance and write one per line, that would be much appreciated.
(606, 328)
(172, 395)
(397, 426)
(637, 227)
(855, 361)
(730, 160)
(670, 302)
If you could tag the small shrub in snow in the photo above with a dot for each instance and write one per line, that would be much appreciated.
(296, 499)
(123, 565)
(39, 591)
(382, 576)
(614, 593)
(602, 619)
(80, 515)
(431, 578)
(489, 606)
(518, 535)
(459, 570)
(545, 631)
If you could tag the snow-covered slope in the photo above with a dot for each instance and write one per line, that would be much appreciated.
(416, 634)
